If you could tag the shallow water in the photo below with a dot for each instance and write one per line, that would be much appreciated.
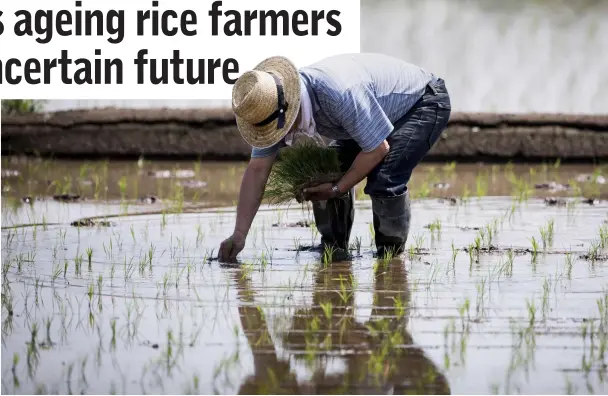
(191, 185)
(153, 312)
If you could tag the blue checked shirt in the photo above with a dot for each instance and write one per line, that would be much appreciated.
(359, 97)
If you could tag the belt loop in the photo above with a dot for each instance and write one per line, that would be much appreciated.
(432, 87)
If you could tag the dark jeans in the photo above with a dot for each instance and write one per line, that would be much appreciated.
(413, 136)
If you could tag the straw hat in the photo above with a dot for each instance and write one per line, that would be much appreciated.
(266, 101)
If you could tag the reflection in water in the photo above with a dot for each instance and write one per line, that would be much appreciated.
(378, 356)
(271, 375)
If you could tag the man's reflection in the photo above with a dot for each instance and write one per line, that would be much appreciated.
(271, 375)
(377, 356)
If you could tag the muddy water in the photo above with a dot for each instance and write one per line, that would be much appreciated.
(166, 186)
(151, 311)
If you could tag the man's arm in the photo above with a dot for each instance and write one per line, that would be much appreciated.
(363, 164)
(252, 191)
(250, 197)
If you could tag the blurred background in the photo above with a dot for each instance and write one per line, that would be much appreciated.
(507, 56)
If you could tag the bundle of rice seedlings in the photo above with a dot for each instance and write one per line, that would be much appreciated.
(299, 167)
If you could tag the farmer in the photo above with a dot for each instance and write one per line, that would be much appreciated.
(383, 115)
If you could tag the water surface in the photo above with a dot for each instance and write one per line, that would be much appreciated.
(151, 311)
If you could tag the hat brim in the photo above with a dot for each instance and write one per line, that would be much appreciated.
(269, 135)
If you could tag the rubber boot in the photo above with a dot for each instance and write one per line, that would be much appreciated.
(391, 224)
(334, 219)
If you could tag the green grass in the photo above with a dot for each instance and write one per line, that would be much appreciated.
(299, 167)
(21, 106)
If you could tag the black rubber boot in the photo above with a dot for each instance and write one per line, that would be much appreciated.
(391, 224)
(334, 219)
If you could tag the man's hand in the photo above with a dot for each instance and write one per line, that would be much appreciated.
(250, 196)
(322, 192)
(231, 247)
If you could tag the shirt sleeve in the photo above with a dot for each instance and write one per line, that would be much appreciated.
(268, 151)
(357, 110)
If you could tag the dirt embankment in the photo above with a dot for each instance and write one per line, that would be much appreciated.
(212, 134)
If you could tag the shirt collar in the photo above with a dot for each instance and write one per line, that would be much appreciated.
(311, 93)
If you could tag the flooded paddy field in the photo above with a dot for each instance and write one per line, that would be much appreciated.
(110, 285)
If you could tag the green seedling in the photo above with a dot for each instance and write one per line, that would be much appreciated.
(99, 283)
(143, 263)
(266, 258)
(412, 252)
(464, 308)
(32, 349)
(544, 237)
(434, 272)
(449, 169)
(481, 290)
(604, 236)
(400, 307)
(314, 231)
(328, 255)
(190, 267)
(478, 242)
(419, 241)
(344, 293)
(535, 248)
(569, 263)
(327, 309)
(423, 191)
(473, 251)
(91, 292)
(488, 232)
(132, 230)
(112, 271)
(546, 234)
(508, 265)
(594, 251)
(199, 235)
(129, 268)
(388, 255)
(7, 302)
(151, 252)
(545, 302)
(56, 272)
(454, 253)
(550, 230)
(435, 227)
(113, 339)
(531, 312)
(481, 184)
(77, 265)
(6, 266)
(19, 263)
(14, 370)
(108, 250)
(298, 167)
(163, 222)
(118, 239)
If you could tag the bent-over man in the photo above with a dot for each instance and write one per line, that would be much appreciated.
(383, 115)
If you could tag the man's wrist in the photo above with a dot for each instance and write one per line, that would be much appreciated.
(240, 233)
(335, 190)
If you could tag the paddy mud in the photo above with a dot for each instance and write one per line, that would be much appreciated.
(500, 291)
